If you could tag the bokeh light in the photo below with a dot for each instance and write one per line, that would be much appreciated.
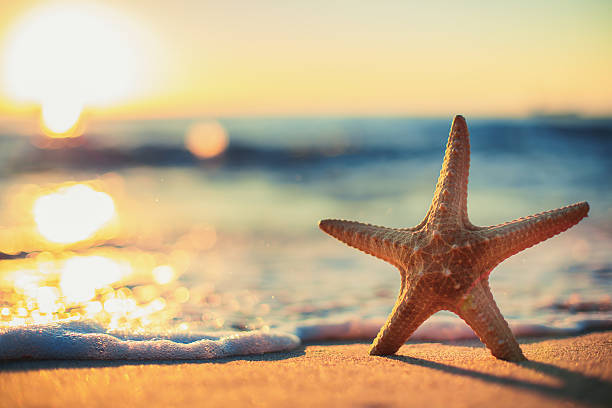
(206, 139)
(112, 286)
(73, 213)
(81, 276)
(163, 274)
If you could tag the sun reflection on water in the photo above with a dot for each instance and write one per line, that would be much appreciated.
(67, 257)
(72, 213)
(163, 274)
(108, 286)
(81, 276)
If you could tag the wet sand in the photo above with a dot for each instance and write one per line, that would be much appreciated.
(574, 371)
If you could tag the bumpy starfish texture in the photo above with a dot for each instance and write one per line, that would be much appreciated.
(445, 261)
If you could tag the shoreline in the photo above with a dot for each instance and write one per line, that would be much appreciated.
(568, 371)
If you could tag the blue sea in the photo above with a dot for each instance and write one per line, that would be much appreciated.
(123, 241)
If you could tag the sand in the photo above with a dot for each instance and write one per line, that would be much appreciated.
(564, 372)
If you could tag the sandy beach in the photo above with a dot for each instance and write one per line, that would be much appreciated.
(230, 203)
(574, 371)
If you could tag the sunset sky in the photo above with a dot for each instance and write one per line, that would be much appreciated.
(192, 57)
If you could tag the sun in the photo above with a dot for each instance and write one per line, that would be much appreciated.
(68, 56)
(60, 116)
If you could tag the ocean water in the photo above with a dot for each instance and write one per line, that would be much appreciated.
(122, 243)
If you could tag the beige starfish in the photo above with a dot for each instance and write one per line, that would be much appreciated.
(445, 261)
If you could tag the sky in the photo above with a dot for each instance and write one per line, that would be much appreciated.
(438, 58)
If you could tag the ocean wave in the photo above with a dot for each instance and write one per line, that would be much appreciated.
(84, 340)
(280, 144)
(90, 341)
(237, 155)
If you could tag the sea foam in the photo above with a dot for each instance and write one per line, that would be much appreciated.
(85, 340)
(90, 341)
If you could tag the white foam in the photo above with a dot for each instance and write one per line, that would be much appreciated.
(87, 340)
(83, 340)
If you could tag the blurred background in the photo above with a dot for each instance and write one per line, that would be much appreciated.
(164, 165)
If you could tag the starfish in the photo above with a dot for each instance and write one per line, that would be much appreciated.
(445, 261)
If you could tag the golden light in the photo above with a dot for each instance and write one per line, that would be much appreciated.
(68, 55)
(46, 297)
(60, 117)
(199, 238)
(72, 214)
(206, 139)
(163, 274)
(81, 276)
(113, 286)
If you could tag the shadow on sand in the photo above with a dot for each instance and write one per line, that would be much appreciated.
(574, 386)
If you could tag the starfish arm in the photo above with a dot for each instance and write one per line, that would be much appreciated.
(408, 314)
(449, 204)
(479, 310)
(505, 240)
(387, 244)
